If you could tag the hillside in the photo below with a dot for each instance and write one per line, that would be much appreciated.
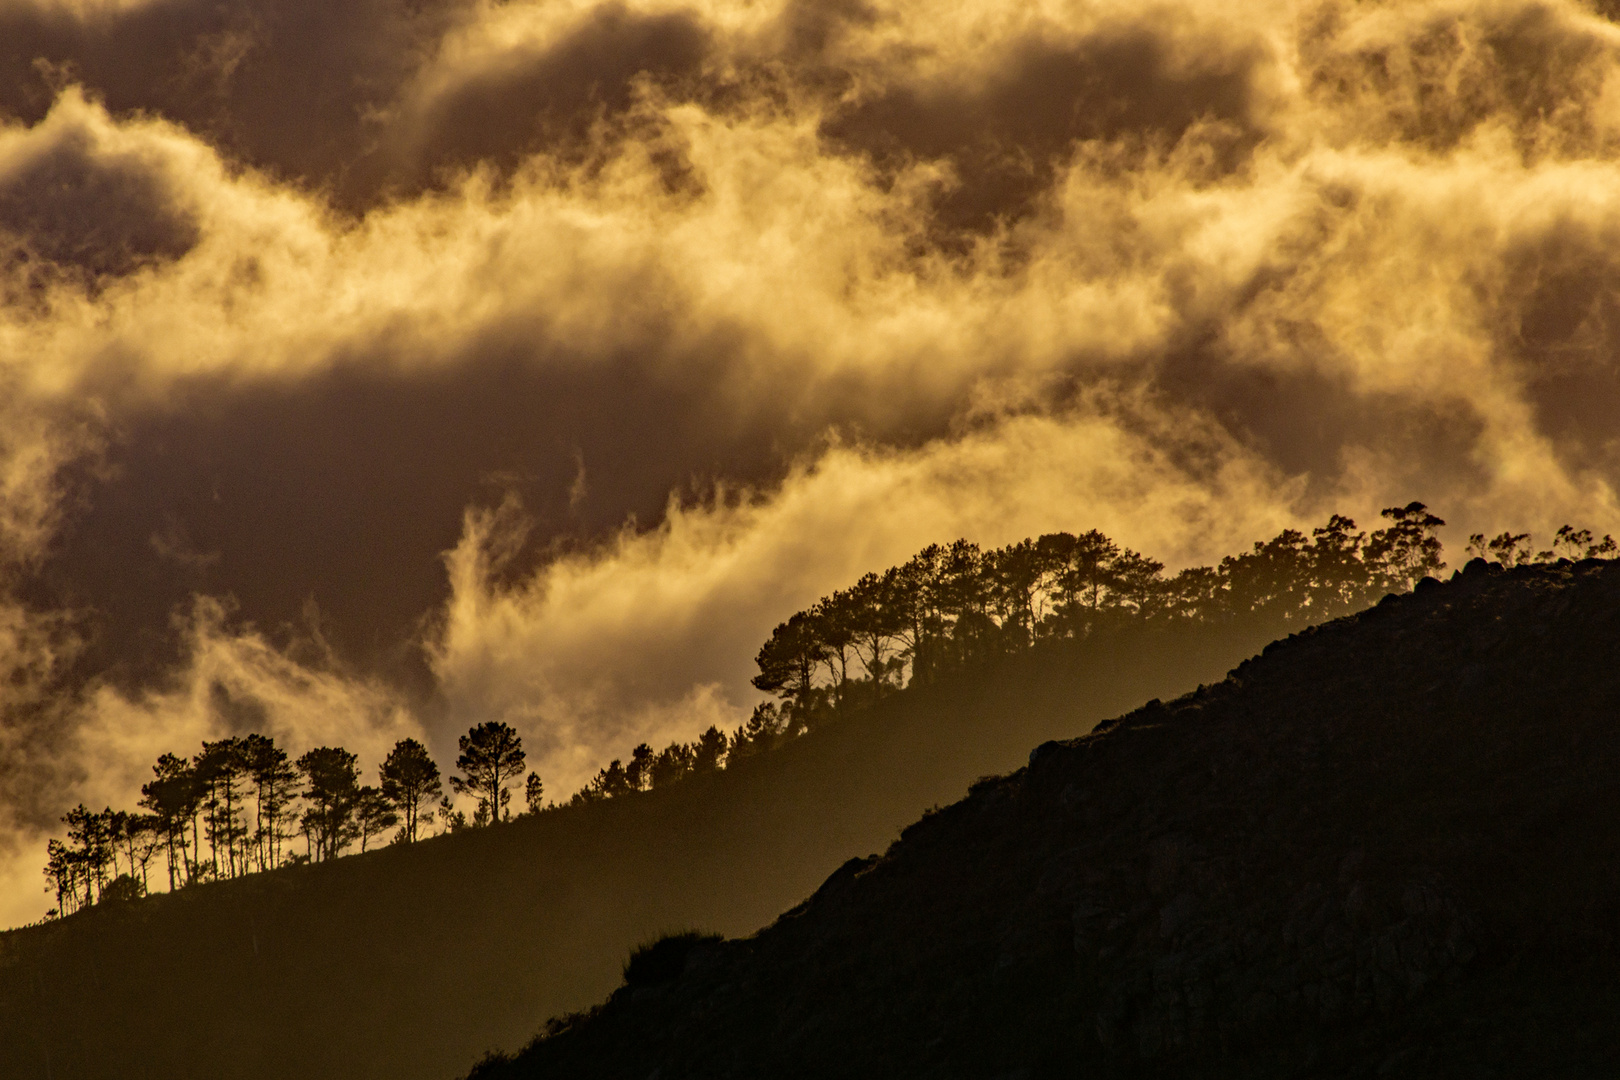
(1385, 847)
(410, 962)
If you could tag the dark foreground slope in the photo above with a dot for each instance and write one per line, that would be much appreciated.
(408, 963)
(1389, 847)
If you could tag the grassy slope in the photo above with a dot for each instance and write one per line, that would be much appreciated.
(410, 963)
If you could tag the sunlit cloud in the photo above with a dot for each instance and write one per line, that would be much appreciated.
(737, 301)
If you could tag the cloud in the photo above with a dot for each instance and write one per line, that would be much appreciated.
(739, 301)
(652, 636)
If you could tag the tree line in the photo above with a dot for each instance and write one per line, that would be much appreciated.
(240, 804)
(953, 606)
(947, 608)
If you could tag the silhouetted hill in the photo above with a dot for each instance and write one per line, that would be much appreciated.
(409, 962)
(1385, 847)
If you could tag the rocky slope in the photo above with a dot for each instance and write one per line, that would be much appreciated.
(1386, 847)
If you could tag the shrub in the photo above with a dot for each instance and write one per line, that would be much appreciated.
(663, 960)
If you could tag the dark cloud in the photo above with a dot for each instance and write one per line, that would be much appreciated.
(1560, 325)
(88, 213)
(288, 86)
(551, 98)
(1005, 134)
(347, 488)
(810, 29)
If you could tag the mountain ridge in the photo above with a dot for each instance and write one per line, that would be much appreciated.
(1377, 848)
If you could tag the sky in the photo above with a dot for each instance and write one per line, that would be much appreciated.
(375, 369)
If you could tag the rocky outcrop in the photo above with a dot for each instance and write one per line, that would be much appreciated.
(1385, 847)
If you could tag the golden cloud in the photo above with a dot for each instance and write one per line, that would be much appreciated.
(799, 287)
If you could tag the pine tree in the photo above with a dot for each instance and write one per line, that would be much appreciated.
(333, 792)
(491, 758)
(410, 782)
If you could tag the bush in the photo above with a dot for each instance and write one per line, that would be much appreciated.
(663, 960)
(122, 889)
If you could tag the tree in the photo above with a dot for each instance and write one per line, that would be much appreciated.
(1572, 543)
(709, 751)
(451, 819)
(915, 591)
(174, 797)
(91, 838)
(1137, 584)
(1019, 573)
(608, 783)
(124, 887)
(275, 788)
(220, 768)
(63, 868)
(1408, 550)
(787, 664)
(410, 782)
(1510, 549)
(638, 773)
(333, 791)
(962, 590)
(763, 731)
(534, 793)
(491, 757)
(832, 626)
(138, 835)
(373, 814)
(672, 765)
(1088, 576)
(1275, 576)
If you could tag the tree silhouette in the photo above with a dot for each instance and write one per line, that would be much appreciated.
(219, 770)
(876, 625)
(788, 661)
(608, 783)
(333, 791)
(1510, 549)
(672, 765)
(534, 792)
(491, 758)
(137, 835)
(1019, 572)
(174, 797)
(123, 888)
(1089, 576)
(451, 819)
(709, 752)
(832, 625)
(275, 788)
(638, 772)
(62, 868)
(1408, 549)
(90, 840)
(373, 814)
(762, 731)
(410, 782)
